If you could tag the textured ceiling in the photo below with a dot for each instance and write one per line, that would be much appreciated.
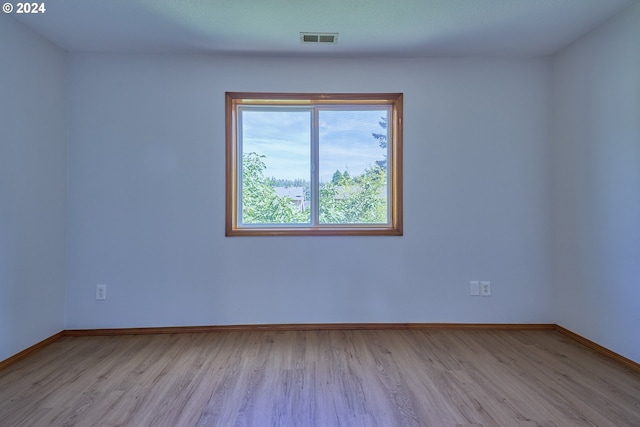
(391, 28)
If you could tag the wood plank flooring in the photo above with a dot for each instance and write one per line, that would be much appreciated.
(320, 378)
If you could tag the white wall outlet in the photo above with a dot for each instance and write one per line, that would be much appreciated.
(101, 292)
(485, 288)
(474, 288)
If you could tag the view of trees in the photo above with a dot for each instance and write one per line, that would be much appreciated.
(361, 199)
(358, 200)
(260, 203)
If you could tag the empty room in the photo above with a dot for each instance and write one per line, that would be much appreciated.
(320, 213)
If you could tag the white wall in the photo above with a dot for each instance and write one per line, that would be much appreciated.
(596, 193)
(32, 187)
(146, 197)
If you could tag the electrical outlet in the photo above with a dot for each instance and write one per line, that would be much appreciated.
(474, 288)
(101, 292)
(485, 288)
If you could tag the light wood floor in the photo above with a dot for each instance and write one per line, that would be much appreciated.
(320, 378)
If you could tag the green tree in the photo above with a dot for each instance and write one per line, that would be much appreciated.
(382, 141)
(260, 203)
(359, 200)
(344, 200)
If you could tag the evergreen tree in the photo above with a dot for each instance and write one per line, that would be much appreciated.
(382, 141)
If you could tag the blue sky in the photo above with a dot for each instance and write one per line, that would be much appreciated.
(284, 138)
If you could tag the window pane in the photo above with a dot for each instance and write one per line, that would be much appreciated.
(353, 166)
(276, 164)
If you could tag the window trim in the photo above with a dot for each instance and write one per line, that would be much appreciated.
(394, 100)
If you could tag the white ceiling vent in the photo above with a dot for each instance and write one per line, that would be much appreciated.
(319, 38)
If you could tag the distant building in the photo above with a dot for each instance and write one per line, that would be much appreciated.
(295, 194)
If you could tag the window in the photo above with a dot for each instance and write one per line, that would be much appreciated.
(305, 164)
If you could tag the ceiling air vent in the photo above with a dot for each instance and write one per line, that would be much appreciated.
(319, 38)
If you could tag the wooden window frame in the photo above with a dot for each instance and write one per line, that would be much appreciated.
(393, 100)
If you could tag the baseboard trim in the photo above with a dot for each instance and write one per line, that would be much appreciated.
(310, 327)
(27, 351)
(628, 363)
